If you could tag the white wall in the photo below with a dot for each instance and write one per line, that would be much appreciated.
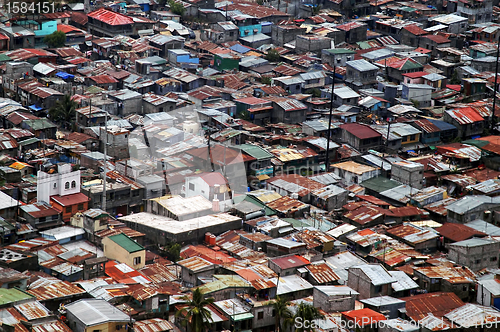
(55, 184)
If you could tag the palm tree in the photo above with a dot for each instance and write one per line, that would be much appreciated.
(196, 314)
(281, 313)
(308, 313)
(64, 111)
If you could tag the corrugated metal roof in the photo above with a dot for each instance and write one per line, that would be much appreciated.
(93, 312)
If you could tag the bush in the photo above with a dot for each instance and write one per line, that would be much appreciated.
(55, 39)
(273, 55)
(176, 8)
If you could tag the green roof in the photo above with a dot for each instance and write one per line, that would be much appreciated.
(29, 141)
(340, 51)
(126, 243)
(476, 142)
(94, 89)
(39, 124)
(256, 151)
(380, 184)
(4, 58)
(249, 198)
(13, 295)
(411, 64)
(364, 45)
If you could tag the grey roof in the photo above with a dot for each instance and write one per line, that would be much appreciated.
(336, 290)
(419, 86)
(285, 243)
(93, 312)
(434, 77)
(63, 232)
(326, 178)
(378, 54)
(345, 92)
(313, 75)
(7, 201)
(485, 227)
(341, 262)
(316, 125)
(361, 65)
(321, 142)
(377, 161)
(290, 284)
(400, 193)
(401, 325)
(377, 274)
(144, 180)
(381, 301)
(474, 242)
(403, 283)
(492, 285)
(468, 203)
(255, 38)
(125, 94)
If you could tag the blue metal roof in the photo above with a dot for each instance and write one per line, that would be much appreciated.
(443, 125)
(239, 48)
(64, 75)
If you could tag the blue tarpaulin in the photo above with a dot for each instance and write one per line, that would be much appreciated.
(64, 75)
(239, 48)
(476, 137)
(35, 108)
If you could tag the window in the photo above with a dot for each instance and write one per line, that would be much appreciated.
(55, 185)
(260, 315)
(405, 138)
(477, 261)
(66, 185)
(231, 33)
(339, 60)
(68, 209)
(274, 313)
(412, 137)
(73, 184)
(137, 260)
(191, 186)
(493, 259)
(80, 207)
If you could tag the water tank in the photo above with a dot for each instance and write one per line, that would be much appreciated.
(207, 237)
(212, 240)
(190, 127)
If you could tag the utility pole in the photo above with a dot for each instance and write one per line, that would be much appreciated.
(327, 161)
(103, 205)
(495, 87)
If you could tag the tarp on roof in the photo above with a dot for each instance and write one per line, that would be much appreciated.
(35, 108)
(65, 75)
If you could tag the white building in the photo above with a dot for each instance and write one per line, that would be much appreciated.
(213, 186)
(351, 172)
(62, 182)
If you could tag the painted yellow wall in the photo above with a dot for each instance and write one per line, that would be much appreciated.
(114, 251)
(107, 327)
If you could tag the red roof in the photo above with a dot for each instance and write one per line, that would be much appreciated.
(110, 17)
(114, 270)
(349, 26)
(361, 131)
(372, 199)
(458, 232)
(289, 262)
(67, 28)
(363, 317)
(252, 101)
(2, 36)
(415, 30)
(215, 257)
(416, 74)
(456, 87)
(422, 50)
(438, 304)
(213, 178)
(437, 39)
(103, 79)
(70, 200)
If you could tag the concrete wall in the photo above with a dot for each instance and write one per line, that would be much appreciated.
(477, 257)
(56, 184)
(333, 303)
(113, 251)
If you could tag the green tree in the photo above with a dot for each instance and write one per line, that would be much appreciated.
(307, 313)
(273, 55)
(196, 314)
(64, 111)
(176, 8)
(316, 9)
(314, 92)
(174, 252)
(283, 315)
(454, 78)
(265, 80)
(55, 39)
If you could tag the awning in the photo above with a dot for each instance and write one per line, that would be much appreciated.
(36, 108)
(432, 147)
(65, 75)
(244, 316)
(263, 177)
